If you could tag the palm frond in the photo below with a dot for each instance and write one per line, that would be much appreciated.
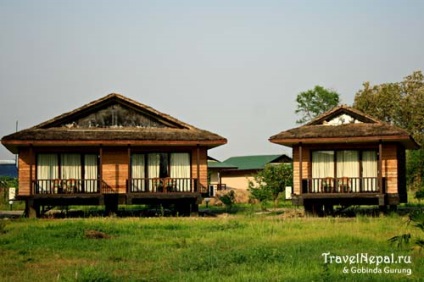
(400, 240)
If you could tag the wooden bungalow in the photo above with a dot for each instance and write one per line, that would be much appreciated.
(345, 157)
(112, 151)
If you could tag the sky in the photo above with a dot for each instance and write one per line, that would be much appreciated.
(231, 67)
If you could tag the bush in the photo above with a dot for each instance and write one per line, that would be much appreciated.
(270, 182)
(228, 200)
(419, 194)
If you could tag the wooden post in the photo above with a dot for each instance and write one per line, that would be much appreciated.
(31, 156)
(300, 168)
(100, 180)
(129, 182)
(380, 173)
(32, 209)
(198, 169)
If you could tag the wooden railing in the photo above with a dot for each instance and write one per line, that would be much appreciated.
(219, 187)
(92, 186)
(342, 185)
(66, 186)
(162, 185)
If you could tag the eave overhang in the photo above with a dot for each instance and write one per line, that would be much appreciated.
(406, 141)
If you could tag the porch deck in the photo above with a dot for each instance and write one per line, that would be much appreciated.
(345, 191)
(97, 192)
(70, 187)
(343, 185)
(184, 193)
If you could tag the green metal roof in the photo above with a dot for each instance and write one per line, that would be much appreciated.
(220, 165)
(255, 162)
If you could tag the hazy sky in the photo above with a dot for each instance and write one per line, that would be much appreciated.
(230, 67)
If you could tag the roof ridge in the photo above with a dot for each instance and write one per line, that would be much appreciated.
(318, 119)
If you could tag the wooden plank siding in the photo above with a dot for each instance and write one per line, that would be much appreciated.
(296, 164)
(24, 176)
(203, 165)
(115, 169)
(390, 168)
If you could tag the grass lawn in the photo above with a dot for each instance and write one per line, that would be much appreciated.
(241, 247)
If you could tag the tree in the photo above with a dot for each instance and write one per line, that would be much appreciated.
(400, 104)
(270, 182)
(314, 102)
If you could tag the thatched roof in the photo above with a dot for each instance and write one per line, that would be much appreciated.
(344, 125)
(113, 120)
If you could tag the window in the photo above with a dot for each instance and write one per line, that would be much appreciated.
(148, 168)
(47, 166)
(369, 171)
(357, 168)
(180, 170)
(60, 171)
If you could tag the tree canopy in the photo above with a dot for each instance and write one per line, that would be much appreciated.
(269, 182)
(314, 102)
(400, 104)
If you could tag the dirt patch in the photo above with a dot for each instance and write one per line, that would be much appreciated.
(94, 234)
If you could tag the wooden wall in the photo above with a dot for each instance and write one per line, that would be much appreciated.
(296, 164)
(389, 163)
(115, 168)
(24, 174)
(390, 167)
(203, 167)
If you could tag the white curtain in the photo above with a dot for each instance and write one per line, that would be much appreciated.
(369, 171)
(90, 173)
(70, 165)
(47, 166)
(348, 166)
(322, 167)
(153, 165)
(153, 169)
(180, 168)
(47, 170)
(138, 172)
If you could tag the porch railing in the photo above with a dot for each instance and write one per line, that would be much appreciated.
(342, 185)
(162, 185)
(92, 186)
(66, 186)
(219, 187)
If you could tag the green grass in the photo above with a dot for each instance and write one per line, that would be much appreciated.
(247, 247)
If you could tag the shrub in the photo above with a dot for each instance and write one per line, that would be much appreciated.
(228, 200)
(270, 182)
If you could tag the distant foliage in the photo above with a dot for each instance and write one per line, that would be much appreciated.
(5, 183)
(314, 102)
(400, 104)
(270, 182)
